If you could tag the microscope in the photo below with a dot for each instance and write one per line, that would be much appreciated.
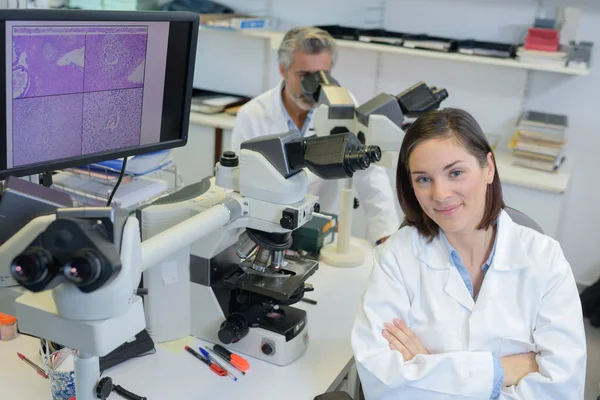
(236, 286)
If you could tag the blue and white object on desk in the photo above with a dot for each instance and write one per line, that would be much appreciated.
(62, 379)
(139, 165)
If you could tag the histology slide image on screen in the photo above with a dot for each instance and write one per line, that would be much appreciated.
(76, 90)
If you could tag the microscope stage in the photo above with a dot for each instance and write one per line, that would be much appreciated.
(279, 287)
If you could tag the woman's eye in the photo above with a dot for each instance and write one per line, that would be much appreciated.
(456, 173)
(422, 179)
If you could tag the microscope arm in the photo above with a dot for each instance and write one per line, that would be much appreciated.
(159, 247)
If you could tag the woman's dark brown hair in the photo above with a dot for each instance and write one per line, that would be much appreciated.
(449, 123)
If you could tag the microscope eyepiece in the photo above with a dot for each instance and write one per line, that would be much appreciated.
(34, 268)
(356, 160)
(374, 153)
(84, 268)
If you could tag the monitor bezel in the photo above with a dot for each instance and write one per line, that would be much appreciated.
(95, 15)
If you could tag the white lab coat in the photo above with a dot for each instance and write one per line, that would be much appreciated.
(528, 302)
(263, 115)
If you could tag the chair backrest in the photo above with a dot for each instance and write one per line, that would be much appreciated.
(522, 219)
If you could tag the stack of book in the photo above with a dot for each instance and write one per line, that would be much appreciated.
(539, 141)
(556, 58)
(542, 45)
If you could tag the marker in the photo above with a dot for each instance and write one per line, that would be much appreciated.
(238, 362)
(222, 357)
(208, 356)
(38, 369)
(213, 367)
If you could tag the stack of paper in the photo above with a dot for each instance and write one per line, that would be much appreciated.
(540, 140)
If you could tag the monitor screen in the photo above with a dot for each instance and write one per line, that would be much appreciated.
(87, 86)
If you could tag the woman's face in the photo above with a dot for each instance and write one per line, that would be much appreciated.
(450, 184)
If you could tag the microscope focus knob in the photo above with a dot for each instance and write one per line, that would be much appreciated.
(104, 388)
(233, 329)
(286, 222)
(267, 349)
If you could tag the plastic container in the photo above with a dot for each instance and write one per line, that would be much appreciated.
(8, 327)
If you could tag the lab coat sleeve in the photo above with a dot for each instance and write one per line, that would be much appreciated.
(376, 195)
(559, 338)
(383, 372)
(242, 130)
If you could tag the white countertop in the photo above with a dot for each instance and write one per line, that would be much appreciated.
(166, 375)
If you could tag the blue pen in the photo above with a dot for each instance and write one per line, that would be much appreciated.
(208, 356)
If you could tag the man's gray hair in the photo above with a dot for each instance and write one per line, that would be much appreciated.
(306, 39)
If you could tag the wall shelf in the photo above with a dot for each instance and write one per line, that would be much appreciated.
(221, 120)
(275, 37)
(553, 182)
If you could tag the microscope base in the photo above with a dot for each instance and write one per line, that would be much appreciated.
(270, 346)
(331, 256)
(38, 316)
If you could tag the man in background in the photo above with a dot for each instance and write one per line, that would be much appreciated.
(305, 50)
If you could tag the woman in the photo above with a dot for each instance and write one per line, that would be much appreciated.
(463, 302)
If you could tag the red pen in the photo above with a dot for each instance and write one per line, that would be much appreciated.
(213, 367)
(38, 369)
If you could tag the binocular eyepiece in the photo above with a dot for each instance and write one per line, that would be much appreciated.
(76, 250)
(360, 159)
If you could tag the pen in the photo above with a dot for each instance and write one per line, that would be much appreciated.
(222, 357)
(238, 362)
(309, 301)
(206, 354)
(38, 369)
(213, 367)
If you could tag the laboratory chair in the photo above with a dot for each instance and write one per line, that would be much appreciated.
(519, 218)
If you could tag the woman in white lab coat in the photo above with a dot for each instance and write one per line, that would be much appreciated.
(463, 303)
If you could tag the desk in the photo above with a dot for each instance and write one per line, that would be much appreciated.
(166, 375)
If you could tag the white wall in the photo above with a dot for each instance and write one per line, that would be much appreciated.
(578, 98)
(494, 95)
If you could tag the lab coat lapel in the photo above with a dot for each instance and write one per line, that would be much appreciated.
(456, 288)
(277, 121)
(436, 256)
(510, 253)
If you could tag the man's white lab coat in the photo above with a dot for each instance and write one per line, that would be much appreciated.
(528, 302)
(263, 115)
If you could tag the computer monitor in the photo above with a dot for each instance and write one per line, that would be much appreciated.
(80, 87)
